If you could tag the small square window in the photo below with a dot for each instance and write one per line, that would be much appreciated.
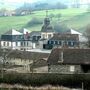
(72, 68)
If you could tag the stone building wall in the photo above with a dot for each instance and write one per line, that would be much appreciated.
(65, 69)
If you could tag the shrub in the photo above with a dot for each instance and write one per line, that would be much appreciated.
(35, 21)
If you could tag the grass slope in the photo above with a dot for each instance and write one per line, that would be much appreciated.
(75, 18)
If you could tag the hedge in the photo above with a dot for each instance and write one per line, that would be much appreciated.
(39, 79)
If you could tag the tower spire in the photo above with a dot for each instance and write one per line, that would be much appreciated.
(46, 13)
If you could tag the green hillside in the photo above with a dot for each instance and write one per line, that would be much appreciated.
(74, 18)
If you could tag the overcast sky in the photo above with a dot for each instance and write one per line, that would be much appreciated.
(31, 1)
(17, 1)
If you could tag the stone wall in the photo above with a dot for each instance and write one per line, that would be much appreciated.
(65, 69)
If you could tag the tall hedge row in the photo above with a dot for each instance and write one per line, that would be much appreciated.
(38, 79)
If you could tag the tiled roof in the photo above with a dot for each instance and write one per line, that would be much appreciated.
(39, 63)
(27, 55)
(65, 37)
(70, 56)
(15, 38)
(35, 33)
(48, 28)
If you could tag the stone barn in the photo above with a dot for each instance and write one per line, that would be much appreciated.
(69, 61)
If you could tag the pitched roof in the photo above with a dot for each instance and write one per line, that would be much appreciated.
(48, 28)
(65, 37)
(35, 33)
(70, 56)
(39, 63)
(27, 55)
(12, 32)
(72, 31)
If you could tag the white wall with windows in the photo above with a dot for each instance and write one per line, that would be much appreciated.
(5, 44)
(25, 45)
(47, 35)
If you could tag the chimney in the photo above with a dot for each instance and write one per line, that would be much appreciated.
(61, 57)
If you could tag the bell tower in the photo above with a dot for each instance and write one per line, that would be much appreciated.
(46, 20)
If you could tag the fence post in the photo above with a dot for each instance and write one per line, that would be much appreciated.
(82, 86)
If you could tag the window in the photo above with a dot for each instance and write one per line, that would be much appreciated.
(66, 42)
(56, 42)
(7, 43)
(72, 68)
(24, 44)
(16, 43)
(21, 43)
(59, 42)
(72, 43)
(48, 42)
(27, 43)
(34, 38)
(4, 43)
(49, 35)
(52, 42)
(75, 43)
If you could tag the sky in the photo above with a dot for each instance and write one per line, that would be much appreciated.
(17, 1)
(13, 4)
(31, 1)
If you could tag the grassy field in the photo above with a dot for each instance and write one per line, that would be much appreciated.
(74, 18)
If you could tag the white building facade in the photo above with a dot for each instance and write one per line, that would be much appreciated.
(16, 40)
